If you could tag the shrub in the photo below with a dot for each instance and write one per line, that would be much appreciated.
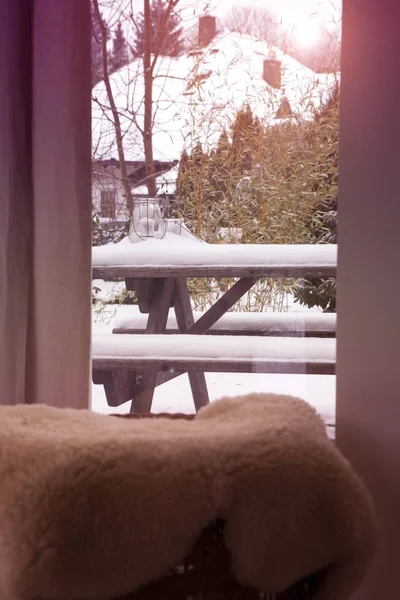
(107, 232)
(322, 222)
(276, 185)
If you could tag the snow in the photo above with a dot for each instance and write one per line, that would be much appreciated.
(127, 317)
(197, 96)
(230, 235)
(185, 251)
(219, 349)
(176, 396)
(186, 111)
(167, 182)
(106, 291)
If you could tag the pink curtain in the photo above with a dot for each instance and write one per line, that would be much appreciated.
(45, 202)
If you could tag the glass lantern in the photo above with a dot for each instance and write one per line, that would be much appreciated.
(147, 220)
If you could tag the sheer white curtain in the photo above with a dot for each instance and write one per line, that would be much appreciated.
(45, 202)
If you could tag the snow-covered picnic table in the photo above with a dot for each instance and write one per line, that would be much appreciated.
(157, 270)
(181, 256)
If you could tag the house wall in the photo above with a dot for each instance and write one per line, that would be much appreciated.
(368, 370)
(108, 180)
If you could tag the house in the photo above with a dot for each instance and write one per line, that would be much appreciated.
(108, 191)
(195, 97)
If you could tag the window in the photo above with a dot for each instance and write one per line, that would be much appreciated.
(107, 204)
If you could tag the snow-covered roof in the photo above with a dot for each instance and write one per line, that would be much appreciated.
(198, 94)
(165, 184)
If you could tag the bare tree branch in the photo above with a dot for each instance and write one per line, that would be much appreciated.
(139, 109)
(148, 102)
(114, 111)
(163, 28)
(259, 22)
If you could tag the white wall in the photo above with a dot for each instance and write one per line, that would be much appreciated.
(108, 179)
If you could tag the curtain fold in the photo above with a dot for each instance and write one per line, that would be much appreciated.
(45, 199)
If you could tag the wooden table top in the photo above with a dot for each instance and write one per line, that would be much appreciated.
(164, 258)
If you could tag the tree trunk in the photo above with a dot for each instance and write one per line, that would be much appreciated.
(148, 103)
(114, 111)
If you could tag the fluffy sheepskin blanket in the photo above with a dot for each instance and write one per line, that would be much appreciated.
(93, 507)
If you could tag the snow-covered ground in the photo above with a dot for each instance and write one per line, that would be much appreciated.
(175, 395)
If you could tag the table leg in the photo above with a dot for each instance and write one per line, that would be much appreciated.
(157, 322)
(125, 386)
(118, 386)
(185, 320)
(144, 290)
(212, 315)
(222, 305)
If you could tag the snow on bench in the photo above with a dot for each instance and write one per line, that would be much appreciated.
(244, 354)
(129, 320)
(180, 257)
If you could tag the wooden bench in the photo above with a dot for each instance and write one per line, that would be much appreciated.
(158, 271)
(119, 361)
(311, 324)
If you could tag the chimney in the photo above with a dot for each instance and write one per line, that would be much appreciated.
(272, 72)
(207, 30)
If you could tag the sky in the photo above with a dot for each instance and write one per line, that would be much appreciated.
(325, 12)
(306, 20)
(306, 17)
(290, 10)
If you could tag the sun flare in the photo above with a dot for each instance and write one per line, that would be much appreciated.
(306, 32)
